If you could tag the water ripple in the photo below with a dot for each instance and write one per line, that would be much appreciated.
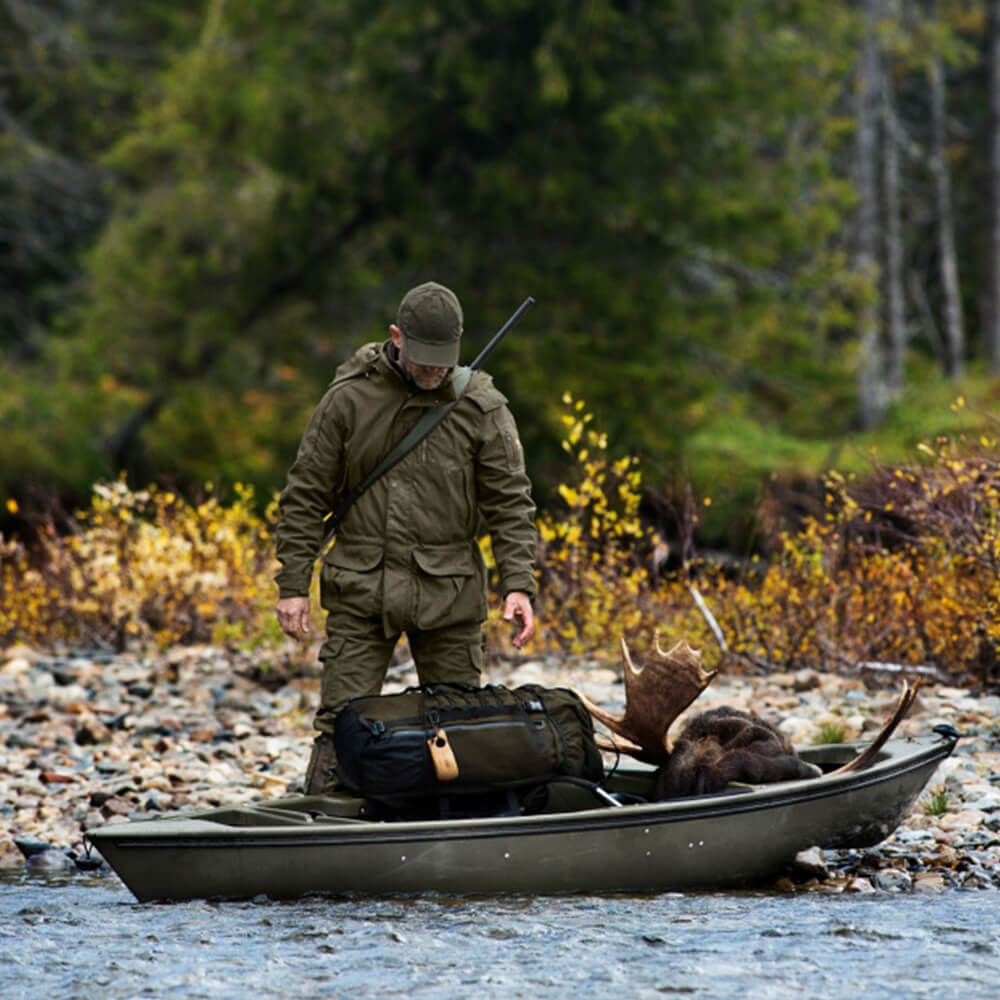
(76, 938)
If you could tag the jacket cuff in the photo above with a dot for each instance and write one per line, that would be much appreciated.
(292, 584)
(524, 584)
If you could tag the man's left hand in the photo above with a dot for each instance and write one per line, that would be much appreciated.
(517, 608)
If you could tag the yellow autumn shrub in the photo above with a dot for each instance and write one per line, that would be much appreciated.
(593, 583)
(901, 567)
(143, 566)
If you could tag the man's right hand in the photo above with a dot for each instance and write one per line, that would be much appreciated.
(293, 616)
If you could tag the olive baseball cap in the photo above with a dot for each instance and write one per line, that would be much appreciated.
(430, 317)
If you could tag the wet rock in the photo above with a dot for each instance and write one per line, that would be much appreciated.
(41, 855)
(811, 862)
(978, 878)
(929, 882)
(893, 880)
(859, 885)
(29, 847)
(10, 856)
(51, 860)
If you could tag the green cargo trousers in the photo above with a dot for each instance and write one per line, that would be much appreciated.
(356, 656)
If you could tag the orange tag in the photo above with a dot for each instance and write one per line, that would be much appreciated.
(445, 765)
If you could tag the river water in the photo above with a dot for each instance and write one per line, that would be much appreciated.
(72, 936)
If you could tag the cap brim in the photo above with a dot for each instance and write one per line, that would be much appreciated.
(434, 355)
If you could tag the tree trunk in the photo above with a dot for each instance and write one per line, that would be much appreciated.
(872, 387)
(895, 308)
(951, 301)
(993, 326)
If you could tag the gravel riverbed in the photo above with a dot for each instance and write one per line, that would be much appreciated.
(88, 738)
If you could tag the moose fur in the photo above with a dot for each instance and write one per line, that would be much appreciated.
(723, 745)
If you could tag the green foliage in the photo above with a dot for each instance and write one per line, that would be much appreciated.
(660, 183)
(72, 71)
(936, 801)
(831, 732)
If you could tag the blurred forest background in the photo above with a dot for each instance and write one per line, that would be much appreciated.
(762, 235)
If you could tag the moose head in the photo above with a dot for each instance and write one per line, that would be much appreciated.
(715, 747)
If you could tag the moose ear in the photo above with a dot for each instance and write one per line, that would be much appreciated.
(655, 695)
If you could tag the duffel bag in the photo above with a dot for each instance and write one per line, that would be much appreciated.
(447, 739)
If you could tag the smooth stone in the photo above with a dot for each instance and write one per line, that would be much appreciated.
(51, 860)
(967, 819)
(812, 862)
(893, 880)
(30, 847)
(928, 882)
(860, 885)
(907, 837)
(987, 804)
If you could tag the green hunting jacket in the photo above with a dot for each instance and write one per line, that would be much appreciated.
(407, 550)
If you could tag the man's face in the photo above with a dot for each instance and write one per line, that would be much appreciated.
(426, 377)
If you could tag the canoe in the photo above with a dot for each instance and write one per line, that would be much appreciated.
(585, 838)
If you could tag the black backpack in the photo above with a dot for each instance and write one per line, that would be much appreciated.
(452, 739)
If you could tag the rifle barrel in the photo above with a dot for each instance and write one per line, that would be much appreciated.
(501, 333)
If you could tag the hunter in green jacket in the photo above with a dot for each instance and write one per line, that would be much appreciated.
(406, 556)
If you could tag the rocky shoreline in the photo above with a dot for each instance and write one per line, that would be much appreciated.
(93, 737)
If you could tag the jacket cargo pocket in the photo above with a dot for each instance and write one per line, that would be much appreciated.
(448, 590)
(352, 577)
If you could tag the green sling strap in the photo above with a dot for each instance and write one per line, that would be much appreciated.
(427, 422)
(429, 419)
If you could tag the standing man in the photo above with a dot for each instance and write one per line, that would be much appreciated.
(406, 557)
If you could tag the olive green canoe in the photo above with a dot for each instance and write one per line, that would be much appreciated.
(583, 839)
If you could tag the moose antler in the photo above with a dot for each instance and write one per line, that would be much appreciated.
(654, 696)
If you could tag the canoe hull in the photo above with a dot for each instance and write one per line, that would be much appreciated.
(728, 840)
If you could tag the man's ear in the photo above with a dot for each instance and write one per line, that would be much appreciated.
(397, 334)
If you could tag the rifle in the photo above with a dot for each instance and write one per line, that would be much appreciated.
(428, 421)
